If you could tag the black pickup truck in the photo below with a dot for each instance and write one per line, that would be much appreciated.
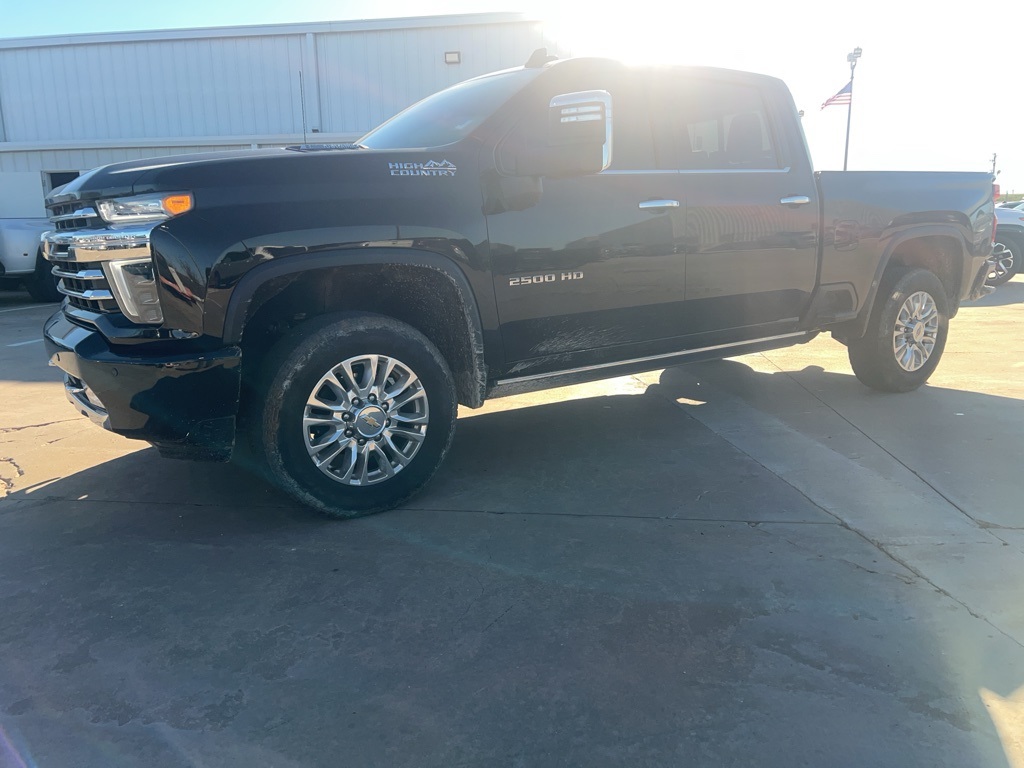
(563, 221)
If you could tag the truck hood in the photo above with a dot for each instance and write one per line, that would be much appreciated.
(306, 164)
(118, 179)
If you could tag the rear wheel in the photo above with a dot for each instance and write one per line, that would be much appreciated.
(358, 414)
(906, 333)
(1004, 262)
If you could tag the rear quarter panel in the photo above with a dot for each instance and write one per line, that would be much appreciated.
(866, 214)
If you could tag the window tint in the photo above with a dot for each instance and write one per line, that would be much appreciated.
(717, 125)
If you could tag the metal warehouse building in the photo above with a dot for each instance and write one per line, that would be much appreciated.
(73, 102)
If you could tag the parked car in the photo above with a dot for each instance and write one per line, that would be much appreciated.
(333, 304)
(1008, 246)
(21, 259)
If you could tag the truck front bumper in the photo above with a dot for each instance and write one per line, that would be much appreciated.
(184, 404)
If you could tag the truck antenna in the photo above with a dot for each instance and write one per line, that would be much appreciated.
(539, 58)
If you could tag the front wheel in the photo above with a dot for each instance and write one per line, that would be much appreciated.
(41, 284)
(358, 414)
(906, 333)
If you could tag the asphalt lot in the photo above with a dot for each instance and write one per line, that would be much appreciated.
(750, 562)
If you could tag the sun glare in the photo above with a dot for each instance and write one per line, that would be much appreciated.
(636, 40)
(807, 48)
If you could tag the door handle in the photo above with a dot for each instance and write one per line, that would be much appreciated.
(795, 200)
(658, 205)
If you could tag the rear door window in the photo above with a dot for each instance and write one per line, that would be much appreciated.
(713, 125)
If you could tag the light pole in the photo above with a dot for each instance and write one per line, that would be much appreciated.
(852, 58)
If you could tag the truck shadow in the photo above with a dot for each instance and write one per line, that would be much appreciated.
(619, 455)
(612, 552)
(964, 444)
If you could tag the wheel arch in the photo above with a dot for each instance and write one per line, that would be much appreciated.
(940, 248)
(420, 288)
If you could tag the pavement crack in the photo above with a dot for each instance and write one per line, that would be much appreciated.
(499, 616)
(613, 516)
(149, 502)
(7, 483)
(5, 430)
(804, 548)
(469, 606)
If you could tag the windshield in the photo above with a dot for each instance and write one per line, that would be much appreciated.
(449, 115)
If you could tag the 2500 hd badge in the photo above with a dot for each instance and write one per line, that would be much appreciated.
(550, 277)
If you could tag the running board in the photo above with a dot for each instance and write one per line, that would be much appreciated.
(534, 382)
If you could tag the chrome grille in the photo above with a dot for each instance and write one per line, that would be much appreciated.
(78, 247)
(74, 216)
(86, 286)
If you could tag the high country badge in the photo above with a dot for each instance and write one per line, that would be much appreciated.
(429, 168)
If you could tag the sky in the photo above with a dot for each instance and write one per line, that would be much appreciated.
(937, 87)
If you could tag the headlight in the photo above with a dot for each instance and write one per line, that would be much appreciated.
(133, 282)
(144, 208)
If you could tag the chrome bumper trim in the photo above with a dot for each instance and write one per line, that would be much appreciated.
(97, 244)
(80, 396)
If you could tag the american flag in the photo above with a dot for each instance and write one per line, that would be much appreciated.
(844, 96)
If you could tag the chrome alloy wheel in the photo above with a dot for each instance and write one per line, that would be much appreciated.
(1000, 262)
(365, 420)
(916, 331)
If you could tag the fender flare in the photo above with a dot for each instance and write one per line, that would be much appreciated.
(240, 303)
(858, 327)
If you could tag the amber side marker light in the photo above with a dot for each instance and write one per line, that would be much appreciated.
(177, 204)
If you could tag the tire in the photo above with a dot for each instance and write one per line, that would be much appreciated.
(387, 449)
(41, 284)
(908, 299)
(1006, 261)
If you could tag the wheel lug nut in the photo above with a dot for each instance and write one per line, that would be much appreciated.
(372, 398)
(346, 417)
(357, 402)
(362, 442)
(387, 422)
(384, 406)
(349, 433)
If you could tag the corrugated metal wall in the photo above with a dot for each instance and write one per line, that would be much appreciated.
(172, 88)
(89, 96)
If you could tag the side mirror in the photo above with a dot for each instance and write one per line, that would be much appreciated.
(583, 118)
(578, 138)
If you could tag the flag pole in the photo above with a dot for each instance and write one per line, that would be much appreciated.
(852, 58)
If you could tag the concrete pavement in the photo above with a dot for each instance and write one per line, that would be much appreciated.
(750, 562)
